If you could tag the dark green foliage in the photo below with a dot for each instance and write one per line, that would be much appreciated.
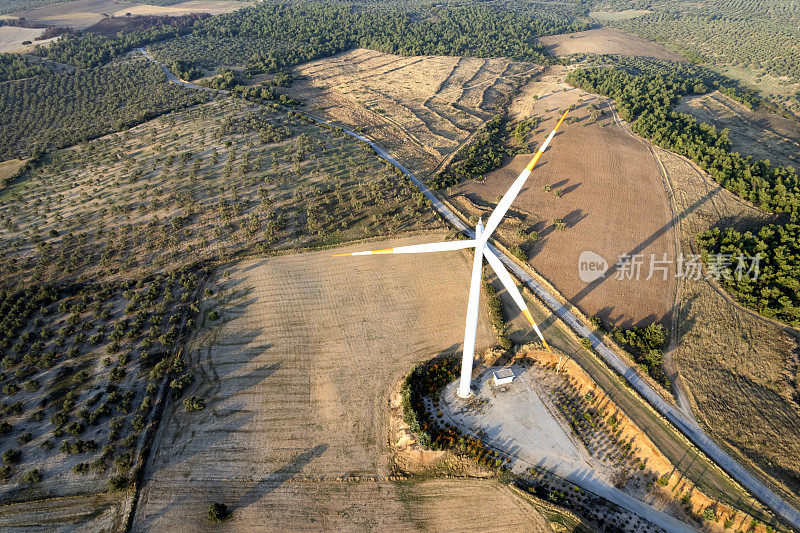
(117, 483)
(32, 476)
(93, 50)
(15, 67)
(647, 345)
(185, 70)
(645, 96)
(217, 513)
(12, 456)
(293, 34)
(194, 403)
(487, 152)
(775, 291)
(56, 110)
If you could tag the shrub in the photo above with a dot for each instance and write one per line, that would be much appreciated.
(194, 403)
(32, 476)
(663, 480)
(11, 456)
(116, 483)
(217, 513)
(709, 515)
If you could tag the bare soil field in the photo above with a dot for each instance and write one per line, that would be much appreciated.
(87, 513)
(82, 14)
(79, 14)
(214, 7)
(739, 369)
(762, 135)
(297, 376)
(9, 168)
(612, 202)
(606, 41)
(11, 37)
(420, 109)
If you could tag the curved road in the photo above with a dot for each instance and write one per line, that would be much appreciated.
(688, 427)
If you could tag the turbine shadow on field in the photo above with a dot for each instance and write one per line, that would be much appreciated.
(280, 476)
(642, 246)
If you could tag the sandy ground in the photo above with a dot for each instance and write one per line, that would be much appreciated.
(519, 419)
(762, 135)
(297, 378)
(613, 203)
(11, 37)
(606, 41)
(420, 109)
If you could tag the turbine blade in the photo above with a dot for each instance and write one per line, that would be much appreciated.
(511, 287)
(418, 248)
(471, 328)
(502, 207)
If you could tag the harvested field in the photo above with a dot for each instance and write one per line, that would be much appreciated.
(606, 41)
(296, 377)
(612, 16)
(10, 168)
(214, 7)
(612, 202)
(11, 37)
(82, 14)
(79, 14)
(762, 135)
(420, 109)
(739, 369)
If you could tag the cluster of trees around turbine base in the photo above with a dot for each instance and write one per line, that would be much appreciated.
(645, 94)
(775, 290)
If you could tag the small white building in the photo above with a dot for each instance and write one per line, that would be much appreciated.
(503, 376)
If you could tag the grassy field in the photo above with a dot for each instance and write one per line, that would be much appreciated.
(599, 182)
(296, 376)
(762, 135)
(606, 41)
(214, 7)
(739, 369)
(420, 109)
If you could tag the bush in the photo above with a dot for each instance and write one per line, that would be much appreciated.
(217, 513)
(194, 403)
(32, 476)
(663, 480)
(116, 483)
(12, 456)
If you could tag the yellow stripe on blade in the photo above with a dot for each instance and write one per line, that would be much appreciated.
(527, 314)
(533, 162)
(370, 252)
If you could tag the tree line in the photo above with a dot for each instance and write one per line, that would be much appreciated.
(645, 97)
(57, 110)
(774, 288)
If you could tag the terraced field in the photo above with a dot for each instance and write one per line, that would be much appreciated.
(296, 376)
(421, 109)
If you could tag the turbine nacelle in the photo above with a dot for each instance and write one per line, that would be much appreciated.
(482, 249)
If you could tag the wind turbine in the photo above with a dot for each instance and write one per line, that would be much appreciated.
(482, 234)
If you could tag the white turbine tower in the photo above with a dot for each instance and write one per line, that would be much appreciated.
(482, 235)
